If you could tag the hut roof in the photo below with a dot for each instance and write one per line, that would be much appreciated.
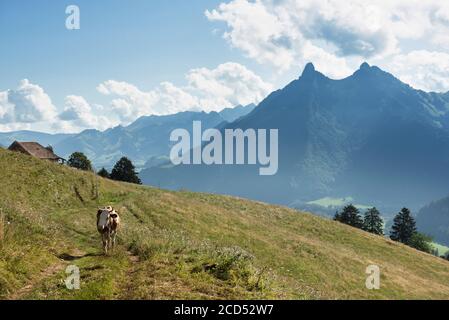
(36, 150)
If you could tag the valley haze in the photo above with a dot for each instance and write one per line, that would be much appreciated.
(232, 147)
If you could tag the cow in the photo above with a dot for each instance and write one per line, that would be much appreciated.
(108, 223)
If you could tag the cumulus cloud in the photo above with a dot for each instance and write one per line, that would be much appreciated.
(228, 85)
(335, 35)
(425, 70)
(257, 30)
(28, 103)
(78, 114)
(132, 102)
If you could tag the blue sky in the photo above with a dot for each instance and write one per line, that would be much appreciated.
(140, 57)
(144, 42)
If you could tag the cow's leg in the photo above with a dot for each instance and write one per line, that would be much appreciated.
(105, 242)
(113, 237)
(110, 239)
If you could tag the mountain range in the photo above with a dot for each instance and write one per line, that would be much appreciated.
(145, 141)
(369, 136)
(6, 138)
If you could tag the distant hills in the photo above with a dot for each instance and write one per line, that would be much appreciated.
(6, 138)
(145, 141)
(368, 136)
(433, 219)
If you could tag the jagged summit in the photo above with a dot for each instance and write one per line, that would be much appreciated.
(308, 70)
(364, 66)
(365, 69)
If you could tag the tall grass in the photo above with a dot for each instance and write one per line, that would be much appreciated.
(2, 226)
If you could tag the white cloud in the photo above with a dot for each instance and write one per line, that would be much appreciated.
(28, 103)
(6, 108)
(227, 85)
(78, 114)
(230, 84)
(335, 35)
(423, 70)
(132, 102)
(257, 30)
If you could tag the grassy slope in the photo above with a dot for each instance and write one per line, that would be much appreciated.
(187, 245)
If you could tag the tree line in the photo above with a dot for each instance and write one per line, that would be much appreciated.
(123, 170)
(403, 229)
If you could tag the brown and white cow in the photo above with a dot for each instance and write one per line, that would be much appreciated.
(108, 223)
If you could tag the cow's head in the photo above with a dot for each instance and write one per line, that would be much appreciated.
(107, 218)
(103, 216)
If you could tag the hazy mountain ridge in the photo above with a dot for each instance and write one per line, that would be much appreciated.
(145, 141)
(6, 138)
(433, 219)
(369, 136)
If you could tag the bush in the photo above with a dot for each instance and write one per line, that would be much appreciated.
(421, 242)
(233, 265)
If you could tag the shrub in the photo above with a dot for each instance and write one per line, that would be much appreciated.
(233, 265)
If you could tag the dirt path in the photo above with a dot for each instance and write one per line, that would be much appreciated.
(48, 273)
(45, 274)
(128, 287)
(130, 268)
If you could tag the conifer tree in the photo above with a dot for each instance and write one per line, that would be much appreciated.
(103, 173)
(404, 227)
(373, 222)
(350, 215)
(124, 171)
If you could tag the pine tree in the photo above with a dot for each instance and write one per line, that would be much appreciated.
(103, 173)
(124, 171)
(79, 160)
(350, 215)
(404, 227)
(373, 222)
